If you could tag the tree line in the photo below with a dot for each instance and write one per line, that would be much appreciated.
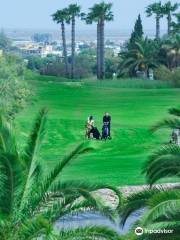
(157, 58)
(99, 14)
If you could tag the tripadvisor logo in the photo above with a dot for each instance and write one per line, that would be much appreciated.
(139, 231)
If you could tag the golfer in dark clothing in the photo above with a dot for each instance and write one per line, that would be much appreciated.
(107, 121)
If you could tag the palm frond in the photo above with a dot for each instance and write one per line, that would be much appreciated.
(72, 187)
(11, 180)
(35, 139)
(167, 123)
(165, 150)
(31, 164)
(32, 229)
(175, 111)
(165, 166)
(80, 149)
(7, 139)
(163, 163)
(165, 209)
(90, 233)
(74, 192)
(44, 186)
(69, 206)
(164, 195)
(136, 201)
(10, 168)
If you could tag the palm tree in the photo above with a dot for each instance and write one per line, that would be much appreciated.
(161, 211)
(100, 13)
(170, 123)
(62, 16)
(30, 200)
(73, 11)
(156, 8)
(91, 17)
(162, 204)
(176, 24)
(168, 10)
(140, 58)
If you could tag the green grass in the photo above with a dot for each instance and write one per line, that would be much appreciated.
(134, 109)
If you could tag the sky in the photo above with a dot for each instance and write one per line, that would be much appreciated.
(36, 14)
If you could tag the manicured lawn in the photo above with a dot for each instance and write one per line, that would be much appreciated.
(133, 111)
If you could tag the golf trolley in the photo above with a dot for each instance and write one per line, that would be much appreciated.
(105, 131)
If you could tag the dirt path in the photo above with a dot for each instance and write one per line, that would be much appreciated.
(111, 199)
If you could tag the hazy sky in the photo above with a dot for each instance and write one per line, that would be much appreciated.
(36, 13)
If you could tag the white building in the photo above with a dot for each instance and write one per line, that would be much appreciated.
(37, 49)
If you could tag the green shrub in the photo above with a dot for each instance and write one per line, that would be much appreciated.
(13, 88)
(176, 77)
(162, 73)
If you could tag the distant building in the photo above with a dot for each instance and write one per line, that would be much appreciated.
(28, 48)
(116, 51)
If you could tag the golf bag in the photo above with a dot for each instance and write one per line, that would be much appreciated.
(95, 133)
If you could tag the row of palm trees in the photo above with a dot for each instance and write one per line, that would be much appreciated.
(159, 11)
(99, 14)
(68, 15)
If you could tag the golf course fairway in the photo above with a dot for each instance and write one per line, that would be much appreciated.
(134, 110)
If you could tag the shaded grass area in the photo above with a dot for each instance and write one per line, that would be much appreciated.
(133, 109)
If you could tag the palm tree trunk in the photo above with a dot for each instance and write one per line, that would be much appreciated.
(98, 50)
(64, 48)
(102, 67)
(157, 27)
(73, 47)
(169, 24)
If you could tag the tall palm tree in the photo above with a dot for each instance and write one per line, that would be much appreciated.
(91, 17)
(31, 200)
(100, 13)
(156, 8)
(168, 9)
(73, 11)
(61, 17)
